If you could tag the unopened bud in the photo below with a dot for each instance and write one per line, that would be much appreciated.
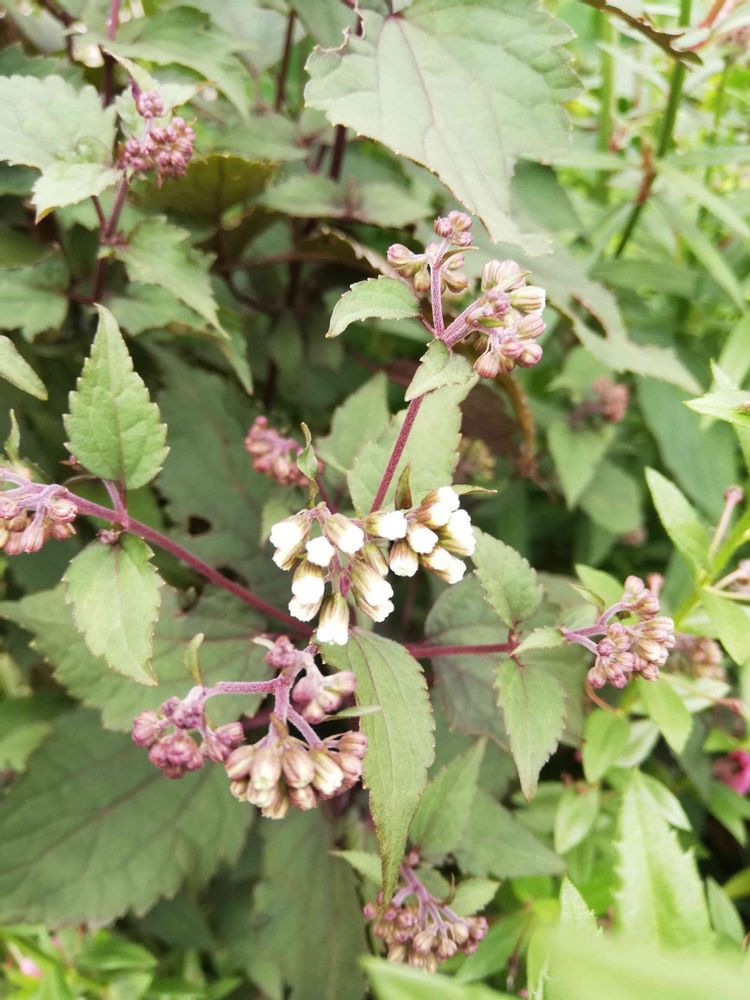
(344, 534)
(333, 624)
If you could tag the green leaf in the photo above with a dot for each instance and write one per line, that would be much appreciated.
(605, 737)
(359, 419)
(431, 451)
(732, 624)
(25, 723)
(393, 981)
(227, 651)
(375, 298)
(400, 737)
(668, 711)
(680, 520)
(548, 637)
(115, 593)
(307, 463)
(15, 369)
(157, 253)
(211, 184)
(125, 838)
(446, 805)
(34, 299)
(577, 454)
(114, 428)
(533, 704)
(574, 913)
(364, 862)
(726, 404)
(65, 133)
(472, 895)
(724, 916)
(495, 843)
(509, 583)
(576, 814)
(660, 899)
(439, 367)
(187, 37)
(320, 957)
(463, 122)
(613, 500)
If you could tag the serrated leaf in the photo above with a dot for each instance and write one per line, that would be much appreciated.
(464, 122)
(727, 404)
(69, 183)
(431, 451)
(400, 737)
(125, 837)
(211, 184)
(495, 843)
(533, 704)
(660, 898)
(364, 862)
(575, 816)
(375, 298)
(679, 519)
(668, 711)
(574, 913)
(472, 895)
(114, 428)
(605, 736)
(724, 916)
(359, 419)
(34, 299)
(509, 583)
(115, 594)
(318, 959)
(732, 624)
(439, 367)
(577, 454)
(548, 637)
(15, 369)
(393, 981)
(446, 805)
(157, 253)
(613, 499)
(227, 651)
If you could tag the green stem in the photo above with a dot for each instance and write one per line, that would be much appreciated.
(607, 38)
(665, 136)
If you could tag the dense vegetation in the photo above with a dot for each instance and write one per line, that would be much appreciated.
(373, 543)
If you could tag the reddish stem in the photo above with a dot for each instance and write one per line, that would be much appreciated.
(398, 450)
(184, 555)
(107, 234)
(424, 651)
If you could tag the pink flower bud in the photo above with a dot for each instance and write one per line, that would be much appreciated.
(146, 728)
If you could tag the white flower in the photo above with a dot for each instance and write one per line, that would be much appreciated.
(308, 585)
(320, 551)
(370, 585)
(421, 538)
(443, 564)
(288, 534)
(390, 525)
(402, 559)
(344, 534)
(304, 612)
(458, 534)
(333, 625)
(380, 612)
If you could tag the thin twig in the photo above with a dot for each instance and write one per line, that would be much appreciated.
(398, 450)
(337, 156)
(284, 68)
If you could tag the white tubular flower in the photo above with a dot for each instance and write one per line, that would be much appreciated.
(304, 612)
(438, 505)
(369, 585)
(458, 535)
(421, 538)
(286, 558)
(290, 532)
(320, 551)
(344, 534)
(402, 559)
(391, 524)
(530, 298)
(308, 584)
(443, 564)
(378, 612)
(333, 625)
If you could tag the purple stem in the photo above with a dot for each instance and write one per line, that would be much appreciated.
(398, 450)
(184, 555)
(304, 727)
(436, 299)
(240, 687)
(423, 651)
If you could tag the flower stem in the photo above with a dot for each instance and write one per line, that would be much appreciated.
(424, 651)
(398, 450)
(284, 68)
(148, 534)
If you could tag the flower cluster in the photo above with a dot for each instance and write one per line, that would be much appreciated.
(171, 748)
(280, 769)
(348, 557)
(609, 403)
(508, 319)
(455, 231)
(274, 455)
(165, 148)
(419, 929)
(733, 769)
(628, 646)
(698, 656)
(31, 513)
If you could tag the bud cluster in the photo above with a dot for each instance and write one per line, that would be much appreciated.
(349, 557)
(419, 929)
(733, 769)
(698, 656)
(508, 319)
(273, 455)
(609, 403)
(171, 748)
(455, 232)
(639, 644)
(282, 770)
(165, 148)
(31, 513)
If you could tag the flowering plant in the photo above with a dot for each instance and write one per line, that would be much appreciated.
(374, 608)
